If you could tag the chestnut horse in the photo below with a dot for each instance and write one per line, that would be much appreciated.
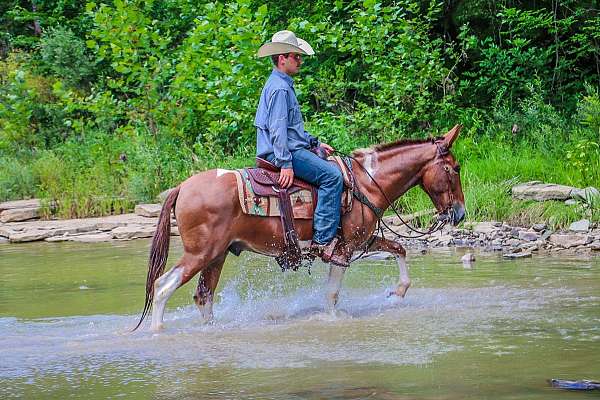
(211, 222)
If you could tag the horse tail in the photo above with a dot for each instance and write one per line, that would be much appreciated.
(159, 251)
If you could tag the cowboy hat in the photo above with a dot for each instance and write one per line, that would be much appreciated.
(284, 42)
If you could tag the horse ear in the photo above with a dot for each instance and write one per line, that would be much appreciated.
(452, 135)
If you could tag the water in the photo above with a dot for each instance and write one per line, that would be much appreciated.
(496, 331)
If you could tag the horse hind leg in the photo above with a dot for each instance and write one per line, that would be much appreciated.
(205, 291)
(167, 284)
(164, 287)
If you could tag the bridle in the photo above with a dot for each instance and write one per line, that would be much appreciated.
(444, 216)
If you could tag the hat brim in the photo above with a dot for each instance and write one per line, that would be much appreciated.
(273, 48)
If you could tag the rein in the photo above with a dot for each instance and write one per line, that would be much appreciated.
(435, 227)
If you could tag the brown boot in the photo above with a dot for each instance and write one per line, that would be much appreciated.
(333, 252)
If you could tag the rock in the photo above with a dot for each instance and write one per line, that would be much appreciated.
(62, 238)
(132, 232)
(18, 214)
(513, 242)
(163, 195)
(528, 236)
(523, 254)
(109, 226)
(9, 205)
(442, 240)
(580, 226)
(174, 231)
(468, 258)
(72, 229)
(148, 210)
(4, 240)
(568, 240)
(595, 245)
(91, 238)
(485, 227)
(546, 235)
(571, 202)
(538, 227)
(589, 195)
(30, 235)
(6, 231)
(539, 191)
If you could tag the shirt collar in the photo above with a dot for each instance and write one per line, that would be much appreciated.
(283, 76)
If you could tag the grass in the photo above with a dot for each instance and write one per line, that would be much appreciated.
(488, 174)
(107, 174)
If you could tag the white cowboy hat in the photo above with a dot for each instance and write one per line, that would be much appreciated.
(284, 42)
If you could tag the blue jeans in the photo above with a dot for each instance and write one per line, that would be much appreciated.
(330, 183)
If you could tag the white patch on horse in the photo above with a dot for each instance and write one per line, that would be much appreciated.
(371, 163)
(221, 172)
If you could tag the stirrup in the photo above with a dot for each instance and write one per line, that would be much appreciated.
(328, 254)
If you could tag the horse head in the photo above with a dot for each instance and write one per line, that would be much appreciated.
(440, 179)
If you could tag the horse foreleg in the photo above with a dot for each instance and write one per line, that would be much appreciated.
(164, 287)
(395, 248)
(334, 283)
(207, 283)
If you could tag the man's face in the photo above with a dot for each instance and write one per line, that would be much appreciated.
(290, 63)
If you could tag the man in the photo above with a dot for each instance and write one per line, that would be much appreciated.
(282, 140)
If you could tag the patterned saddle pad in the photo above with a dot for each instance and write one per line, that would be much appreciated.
(302, 200)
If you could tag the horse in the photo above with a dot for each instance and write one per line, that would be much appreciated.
(211, 221)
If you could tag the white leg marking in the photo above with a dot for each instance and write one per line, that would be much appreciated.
(164, 287)
(404, 279)
(334, 283)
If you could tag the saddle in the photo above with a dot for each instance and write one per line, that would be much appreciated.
(264, 181)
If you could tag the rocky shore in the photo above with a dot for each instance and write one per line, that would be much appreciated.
(19, 223)
(513, 242)
(140, 224)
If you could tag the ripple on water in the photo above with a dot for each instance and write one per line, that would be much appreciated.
(291, 330)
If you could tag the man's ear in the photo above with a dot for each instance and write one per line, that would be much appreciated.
(451, 136)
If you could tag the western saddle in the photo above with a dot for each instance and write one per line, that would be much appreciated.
(264, 180)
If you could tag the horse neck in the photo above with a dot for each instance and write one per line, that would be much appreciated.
(396, 169)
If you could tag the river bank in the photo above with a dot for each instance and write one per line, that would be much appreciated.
(512, 241)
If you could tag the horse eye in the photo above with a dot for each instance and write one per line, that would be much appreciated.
(446, 168)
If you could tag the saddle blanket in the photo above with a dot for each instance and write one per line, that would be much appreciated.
(302, 200)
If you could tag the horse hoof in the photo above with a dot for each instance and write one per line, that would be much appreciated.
(157, 327)
(399, 293)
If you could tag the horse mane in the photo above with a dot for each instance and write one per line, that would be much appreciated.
(401, 142)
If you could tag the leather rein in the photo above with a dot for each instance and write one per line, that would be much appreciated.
(443, 217)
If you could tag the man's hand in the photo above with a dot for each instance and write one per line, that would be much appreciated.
(327, 148)
(286, 177)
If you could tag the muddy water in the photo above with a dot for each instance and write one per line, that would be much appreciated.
(495, 331)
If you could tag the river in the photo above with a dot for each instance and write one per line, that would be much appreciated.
(497, 330)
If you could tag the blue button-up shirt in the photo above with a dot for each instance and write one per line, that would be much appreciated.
(278, 121)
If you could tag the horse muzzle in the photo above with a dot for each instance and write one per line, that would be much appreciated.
(453, 214)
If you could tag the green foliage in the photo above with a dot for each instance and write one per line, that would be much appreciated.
(63, 54)
(17, 181)
(112, 102)
(218, 79)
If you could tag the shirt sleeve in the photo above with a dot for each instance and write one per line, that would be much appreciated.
(314, 142)
(277, 121)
